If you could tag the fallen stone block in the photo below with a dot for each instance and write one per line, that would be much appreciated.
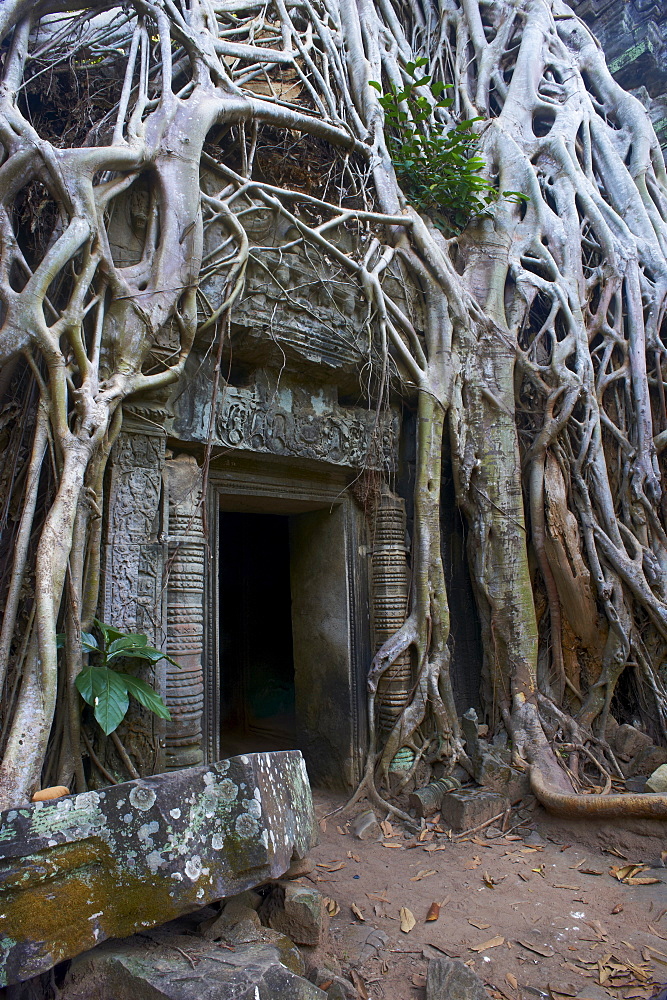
(647, 761)
(449, 979)
(335, 986)
(299, 868)
(233, 914)
(467, 808)
(186, 968)
(658, 780)
(79, 869)
(365, 826)
(303, 916)
(628, 741)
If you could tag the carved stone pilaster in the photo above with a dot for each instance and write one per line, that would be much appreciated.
(185, 613)
(131, 596)
(389, 590)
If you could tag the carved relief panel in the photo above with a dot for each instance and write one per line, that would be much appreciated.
(133, 562)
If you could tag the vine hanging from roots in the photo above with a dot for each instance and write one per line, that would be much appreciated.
(532, 339)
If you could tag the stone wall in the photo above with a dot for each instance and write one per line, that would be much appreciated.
(633, 34)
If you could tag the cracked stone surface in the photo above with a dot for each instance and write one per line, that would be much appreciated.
(178, 967)
(83, 868)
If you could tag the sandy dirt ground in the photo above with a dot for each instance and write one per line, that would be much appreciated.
(537, 913)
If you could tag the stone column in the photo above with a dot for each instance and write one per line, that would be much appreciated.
(131, 597)
(185, 613)
(389, 596)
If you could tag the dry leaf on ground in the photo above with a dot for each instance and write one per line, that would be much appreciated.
(407, 920)
(629, 874)
(357, 912)
(332, 866)
(492, 882)
(493, 942)
(399, 846)
(332, 906)
(512, 980)
(424, 873)
(544, 950)
(359, 984)
(433, 911)
(478, 924)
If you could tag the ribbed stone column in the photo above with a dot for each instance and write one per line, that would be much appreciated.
(389, 588)
(185, 614)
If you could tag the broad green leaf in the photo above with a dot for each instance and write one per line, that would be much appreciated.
(89, 642)
(108, 632)
(146, 696)
(85, 685)
(126, 642)
(111, 699)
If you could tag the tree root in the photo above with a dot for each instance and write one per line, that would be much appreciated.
(638, 805)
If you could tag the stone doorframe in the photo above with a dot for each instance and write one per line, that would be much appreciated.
(331, 712)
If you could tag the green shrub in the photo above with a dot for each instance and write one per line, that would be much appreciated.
(436, 165)
(108, 689)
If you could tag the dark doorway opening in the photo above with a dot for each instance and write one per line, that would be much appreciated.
(255, 625)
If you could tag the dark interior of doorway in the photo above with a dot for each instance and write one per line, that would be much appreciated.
(255, 634)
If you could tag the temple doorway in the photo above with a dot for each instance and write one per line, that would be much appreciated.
(287, 642)
(257, 689)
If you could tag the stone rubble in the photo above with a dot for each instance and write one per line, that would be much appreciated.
(658, 780)
(450, 979)
(237, 953)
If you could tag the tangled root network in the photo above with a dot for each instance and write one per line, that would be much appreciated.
(529, 342)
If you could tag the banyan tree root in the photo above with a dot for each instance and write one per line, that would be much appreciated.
(532, 344)
(645, 805)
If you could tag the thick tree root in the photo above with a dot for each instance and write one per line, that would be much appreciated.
(642, 806)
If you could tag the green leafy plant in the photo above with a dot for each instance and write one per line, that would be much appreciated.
(437, 165)
(108, 689)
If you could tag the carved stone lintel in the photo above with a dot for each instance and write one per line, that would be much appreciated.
(185, 613)
(280, 417)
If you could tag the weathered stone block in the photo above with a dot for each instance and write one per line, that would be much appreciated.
(658, 780)
(647, 760)
(628, 741)
(337, 988)
(365, 826)
(449, 979)
(304, 917)
(183, 968)
(234, 913)
(466, 808)
(83, 868)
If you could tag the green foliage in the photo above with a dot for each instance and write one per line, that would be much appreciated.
(437, 166)
(108, 689)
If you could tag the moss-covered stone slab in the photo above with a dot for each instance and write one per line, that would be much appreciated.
(179, 967)
(107, 863)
